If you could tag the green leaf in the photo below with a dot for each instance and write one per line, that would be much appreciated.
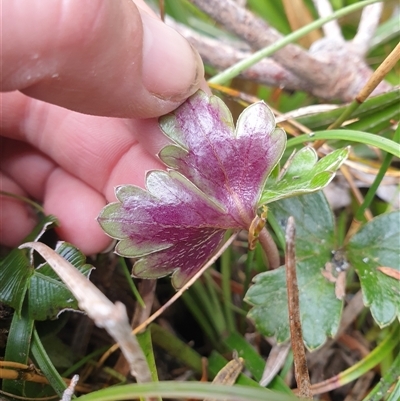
(15, 273)
(146, 344)
(46, 366)
(349, 135)
(320, 309)
(16, 270)
(376, 245)
(183, 390)
(375, 107)
(48, 295)
(305, 174)
(17, 348)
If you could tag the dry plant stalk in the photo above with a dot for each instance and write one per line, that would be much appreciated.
(69, 392)
(104, 313)
(296, 335)
(275, 361)
(332, 69)
(176, 296)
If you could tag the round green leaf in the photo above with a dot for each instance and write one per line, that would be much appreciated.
(319, 308)
(375, 245)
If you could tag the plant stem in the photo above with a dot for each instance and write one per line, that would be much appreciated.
(177, 295)
(237, 68)
(270, 249)
(296, 334)
(46, 366)
(366, 91)
(369, 87)
(361, 367)
(349, 135)
(131, 284)
(386, 381)
(378, 179)
(226, 290)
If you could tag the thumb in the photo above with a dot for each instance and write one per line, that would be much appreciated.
(99, 57)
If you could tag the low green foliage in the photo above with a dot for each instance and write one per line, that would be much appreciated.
(320, 309)
(377, 245)
(46, 295)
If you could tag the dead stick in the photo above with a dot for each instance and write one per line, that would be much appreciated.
(296, 335)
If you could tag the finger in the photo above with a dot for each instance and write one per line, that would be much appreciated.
(28, 167)
(103, 57)
(93, 157)
(76, 206)
(102, 152)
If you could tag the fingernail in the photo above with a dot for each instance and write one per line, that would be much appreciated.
(172, 68)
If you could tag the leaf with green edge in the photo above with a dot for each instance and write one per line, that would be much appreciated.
(215, 178)
(377, 244)
(48, 295)
(16, 269)
(305, 174)
(319, 308)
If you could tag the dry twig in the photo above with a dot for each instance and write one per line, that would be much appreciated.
(221, 55)
(176, 296)
(330, 70)
(69, 392)
(331, 29)
(105, 314)
(296, 335)
(366, 28)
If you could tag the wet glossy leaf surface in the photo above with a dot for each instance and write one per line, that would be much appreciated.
(375, 245)
(320, 309)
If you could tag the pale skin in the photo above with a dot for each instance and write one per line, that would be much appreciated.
(83, 84)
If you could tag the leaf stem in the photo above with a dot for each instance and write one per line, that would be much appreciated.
(270, 249)
(277, 229)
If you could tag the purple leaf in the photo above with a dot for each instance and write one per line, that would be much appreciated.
(215, 180)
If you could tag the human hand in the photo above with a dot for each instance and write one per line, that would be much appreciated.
(115, 62)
